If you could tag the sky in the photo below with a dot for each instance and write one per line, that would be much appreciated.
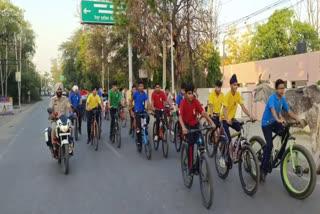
(55, 21)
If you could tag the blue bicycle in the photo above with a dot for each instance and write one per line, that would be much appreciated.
(142, 139)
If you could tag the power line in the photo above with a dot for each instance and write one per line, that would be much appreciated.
(246, 18)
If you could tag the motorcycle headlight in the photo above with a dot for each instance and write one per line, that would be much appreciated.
(64, 128)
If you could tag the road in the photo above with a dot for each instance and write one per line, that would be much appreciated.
(116, 180)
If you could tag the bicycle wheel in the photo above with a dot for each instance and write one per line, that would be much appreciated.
(209, 143)
(206, 184)
(249, 170)
(97, 132)
(257, 144)
(220, 159)
(99, 127)
(65, 161)
(76, 129)
(187, 178)
(155, 142)
(165, 145)
(118, 135)
(148, 149)
(171, 130)
(298, 172)
(177, 136)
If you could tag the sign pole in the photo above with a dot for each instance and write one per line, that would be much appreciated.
(130, 60)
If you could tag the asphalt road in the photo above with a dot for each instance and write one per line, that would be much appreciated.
(116, 180)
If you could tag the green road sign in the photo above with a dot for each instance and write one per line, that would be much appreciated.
(61, 78)
(97, 12)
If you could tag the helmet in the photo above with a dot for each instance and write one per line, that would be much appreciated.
(75, 88)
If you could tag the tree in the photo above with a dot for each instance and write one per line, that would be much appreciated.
(280, 36)
(238, 47)
(55, 70)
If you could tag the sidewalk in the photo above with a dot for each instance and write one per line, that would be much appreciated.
(9, 118)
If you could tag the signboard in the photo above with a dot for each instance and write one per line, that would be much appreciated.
(6, 106)
(18, 76)
(62, 78)
(98, 12)
(143, 74)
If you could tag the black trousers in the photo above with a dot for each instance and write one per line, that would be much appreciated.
(191, 139)
(235, 125)
(90, 115)
(113, 112)
(138, 124)
(79, 114)
(158, 115)
(267, 132)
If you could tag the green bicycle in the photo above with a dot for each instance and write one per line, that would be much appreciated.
(298, 170)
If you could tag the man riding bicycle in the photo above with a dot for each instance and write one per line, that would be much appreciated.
(139, 98)
(76, 103)
(115, 98)
(190, 108)
(93, 102)
(215, 103)
(272, 122)
(230, 105)
(131, 111)
(158, 98)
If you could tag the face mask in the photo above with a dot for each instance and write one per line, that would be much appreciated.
(59, 94)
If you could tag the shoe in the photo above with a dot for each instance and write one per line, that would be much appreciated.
(88, 141)
(156, 138)
(263, 176)
(222, 162)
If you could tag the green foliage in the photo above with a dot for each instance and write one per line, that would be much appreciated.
(280, 36)
(214, 72)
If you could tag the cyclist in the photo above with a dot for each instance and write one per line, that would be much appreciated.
(131, 111)
(169, 95)
(190, 108)
(181, 94)
(93, 102)
(105, 99)
(115, 97)
(139, 98)
(158, 98)
(76, 103)
(215, 103)
(230, 105)
(272, 122)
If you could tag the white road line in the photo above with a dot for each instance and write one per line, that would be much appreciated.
(113, 150)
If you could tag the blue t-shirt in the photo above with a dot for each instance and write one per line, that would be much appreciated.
(278, 105)
(179, 99)
(75, 99)
(99, 93)
(139, 101)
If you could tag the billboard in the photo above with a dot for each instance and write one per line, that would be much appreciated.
(6, 106)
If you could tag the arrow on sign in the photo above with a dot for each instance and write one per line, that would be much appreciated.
(86, 11)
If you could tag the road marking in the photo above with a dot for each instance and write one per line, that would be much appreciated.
(113, 150)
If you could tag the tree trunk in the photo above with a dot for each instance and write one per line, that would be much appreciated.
(1, 77)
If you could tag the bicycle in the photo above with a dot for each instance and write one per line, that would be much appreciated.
(302, 163)
(200, 166)
(123, 117)
(211, 138)
(95, 131)
(244, 155)
(106, 111)
(116, 134)
(162, 135)
(178, 136)
(144, 132)
(75, 122)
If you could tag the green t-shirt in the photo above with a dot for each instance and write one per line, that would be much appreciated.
(115, 98)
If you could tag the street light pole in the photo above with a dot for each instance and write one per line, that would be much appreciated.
(102, 77)
(172, 65)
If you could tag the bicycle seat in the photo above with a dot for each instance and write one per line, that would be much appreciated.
(292, 138)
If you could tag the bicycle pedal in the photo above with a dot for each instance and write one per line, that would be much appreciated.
(306, 171)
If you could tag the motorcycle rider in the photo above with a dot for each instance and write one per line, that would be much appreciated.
(59, 105)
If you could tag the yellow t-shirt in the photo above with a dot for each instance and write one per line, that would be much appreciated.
(130, 97)
(93, 101)
(231, 102)
(216, 101)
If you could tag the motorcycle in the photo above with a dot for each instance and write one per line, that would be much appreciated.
(63, 144)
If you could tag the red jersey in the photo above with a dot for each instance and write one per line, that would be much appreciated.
(190, 110)
(158, 99)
